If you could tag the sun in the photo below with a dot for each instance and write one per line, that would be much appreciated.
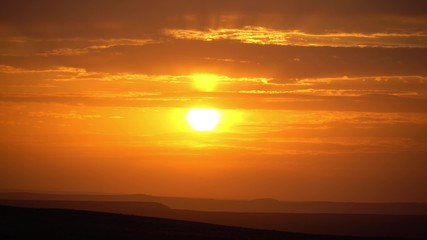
(203, 119)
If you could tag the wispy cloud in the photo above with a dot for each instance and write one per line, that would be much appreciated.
(7, 69)
(378, 93)
(298, 102)
(99, 44)
(69, 115)
(24, 46)
(356, 86)
(264, 36)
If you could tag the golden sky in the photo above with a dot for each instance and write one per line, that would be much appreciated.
(319, 100)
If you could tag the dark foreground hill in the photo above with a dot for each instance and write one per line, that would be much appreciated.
(31, 223)
(361, 225)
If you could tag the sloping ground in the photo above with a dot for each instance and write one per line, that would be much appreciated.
(404, 226)
(259, 205)
(31, 223)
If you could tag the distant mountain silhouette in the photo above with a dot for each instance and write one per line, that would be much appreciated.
(405, 226)
(257, 205)
(29, 223)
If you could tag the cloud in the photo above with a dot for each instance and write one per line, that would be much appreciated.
(263, 36)
(7, 69)
(70, 115)
(25, 46)
(184, 57)
(77, 79)
(69, 85)
(300, 102)
(100, 44)
(131, 18)
(153, 84)
(116, 117)
(356, 86)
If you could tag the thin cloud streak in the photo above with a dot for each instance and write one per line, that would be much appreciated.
(265, 36)
(24, 46)
(300, 102)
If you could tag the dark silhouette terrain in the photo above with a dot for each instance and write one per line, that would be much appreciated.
(257, 205)
(363, 225)
(30, 223)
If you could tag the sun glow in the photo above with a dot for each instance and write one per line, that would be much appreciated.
(203, 119)
(205, 82)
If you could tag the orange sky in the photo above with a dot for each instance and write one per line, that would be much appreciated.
(320, 100)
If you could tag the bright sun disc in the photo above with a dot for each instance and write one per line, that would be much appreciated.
(203, 119)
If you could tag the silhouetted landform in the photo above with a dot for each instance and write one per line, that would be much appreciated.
(31, 223)
(362, 225)
(258, 205)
